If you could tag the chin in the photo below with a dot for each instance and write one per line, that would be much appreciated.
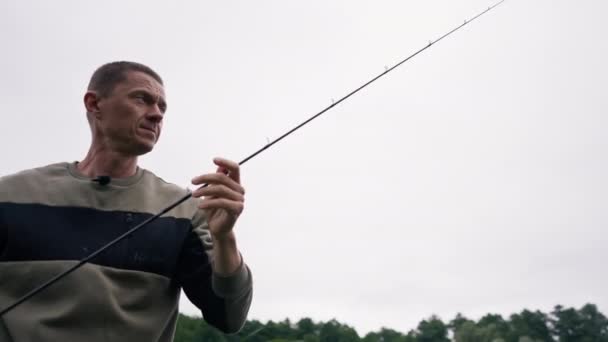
(141, 148)
(144, 149)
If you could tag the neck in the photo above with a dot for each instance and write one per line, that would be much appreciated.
(104, 162)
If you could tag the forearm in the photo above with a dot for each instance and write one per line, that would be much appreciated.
(226, 256)
(223, 297)
(231, 282)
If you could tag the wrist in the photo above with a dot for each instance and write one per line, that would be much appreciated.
(224, 238)
(227, 258)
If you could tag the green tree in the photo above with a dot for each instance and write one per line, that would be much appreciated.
(387, 335)
(458, 321)
(471, 332)
(333, 331)
(563, 325)
(584, 325)
(595, 324)
(432, 330)
(310, 338)
(533, 325)
(209, 334)
(284, 329)
(306, 327)
(251, 332)
(187, 328)
(493, 327)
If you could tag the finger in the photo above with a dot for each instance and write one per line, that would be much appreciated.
(232, 167)
(234, 207)
(221, 169)
(218, 178)
(219, 191)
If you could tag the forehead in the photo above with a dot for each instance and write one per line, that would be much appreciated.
(139, 80)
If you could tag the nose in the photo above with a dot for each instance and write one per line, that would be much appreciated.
(155, 115)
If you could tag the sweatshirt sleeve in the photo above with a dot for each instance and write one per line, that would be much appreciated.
(224, 300)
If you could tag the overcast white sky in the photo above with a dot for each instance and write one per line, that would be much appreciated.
(472, 179)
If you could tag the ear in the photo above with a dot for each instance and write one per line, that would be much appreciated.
(91, 102)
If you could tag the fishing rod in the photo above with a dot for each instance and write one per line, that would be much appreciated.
(265, 147)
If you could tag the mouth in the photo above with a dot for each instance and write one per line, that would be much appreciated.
(149, 129)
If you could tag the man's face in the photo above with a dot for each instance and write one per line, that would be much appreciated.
(131, 116)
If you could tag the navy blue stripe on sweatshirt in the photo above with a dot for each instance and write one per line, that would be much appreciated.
(35, 232)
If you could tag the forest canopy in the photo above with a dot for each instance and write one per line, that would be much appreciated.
(586, 324)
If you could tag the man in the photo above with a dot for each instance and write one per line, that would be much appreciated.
(53, 216)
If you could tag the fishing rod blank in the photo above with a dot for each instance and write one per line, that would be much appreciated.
(181, 200)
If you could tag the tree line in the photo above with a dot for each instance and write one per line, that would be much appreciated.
(586, 324)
